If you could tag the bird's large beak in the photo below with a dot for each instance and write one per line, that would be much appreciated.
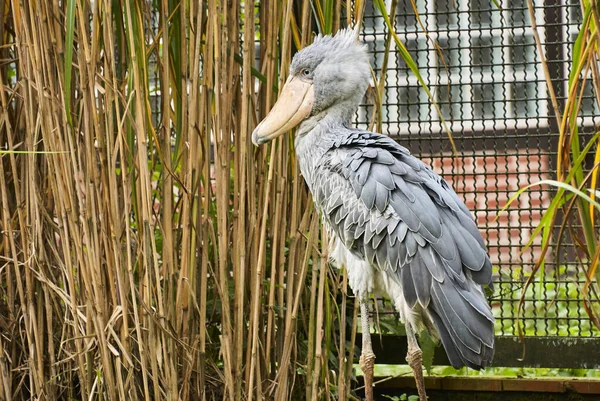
(294, 104)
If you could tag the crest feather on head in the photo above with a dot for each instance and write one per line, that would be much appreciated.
(344, 38)
(343, 47)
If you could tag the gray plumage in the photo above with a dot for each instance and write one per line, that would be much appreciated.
(389, 208)
(398, 227)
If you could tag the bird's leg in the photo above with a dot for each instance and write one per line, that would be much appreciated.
(414, 358)
(367, 357)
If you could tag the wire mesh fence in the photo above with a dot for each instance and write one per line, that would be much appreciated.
(483, 68)
(484, 71)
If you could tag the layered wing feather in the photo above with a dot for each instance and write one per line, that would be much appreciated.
(389, 208)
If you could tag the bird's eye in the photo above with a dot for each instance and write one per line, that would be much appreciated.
(306, 72)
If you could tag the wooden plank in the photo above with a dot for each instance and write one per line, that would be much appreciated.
(496, 384)
(543, 352)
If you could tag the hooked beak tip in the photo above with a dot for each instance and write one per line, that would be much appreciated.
(256, 140)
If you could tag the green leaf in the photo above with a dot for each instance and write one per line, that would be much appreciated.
(428, 347)
(238, 59)
(577, 48)
(410, 62)
(328, 28)
(32, 152)
(566, 187)
(559, 197)
(318, 14)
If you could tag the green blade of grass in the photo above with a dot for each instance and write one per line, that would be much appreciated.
(32, 152)
(557, 184)
(318, 13)
(558, 199)
(410, 62)
(255, 73)
(578, 46)
(328, 28)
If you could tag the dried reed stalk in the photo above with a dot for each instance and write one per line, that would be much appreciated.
(149, 251)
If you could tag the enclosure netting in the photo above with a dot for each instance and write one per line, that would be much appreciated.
(483, 68)
(489, 84)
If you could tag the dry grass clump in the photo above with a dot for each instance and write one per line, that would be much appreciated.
(148, 250)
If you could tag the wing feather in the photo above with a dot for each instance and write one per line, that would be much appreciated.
(408, 287)
(389, 208)
(422, 279)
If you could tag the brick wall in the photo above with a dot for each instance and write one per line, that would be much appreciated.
(486, 183)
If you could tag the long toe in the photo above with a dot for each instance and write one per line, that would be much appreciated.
(414, 359)
(367, 363)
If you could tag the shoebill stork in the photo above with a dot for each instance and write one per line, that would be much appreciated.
(397, 227)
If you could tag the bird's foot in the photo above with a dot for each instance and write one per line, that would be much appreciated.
(414, 359)
(367, 363)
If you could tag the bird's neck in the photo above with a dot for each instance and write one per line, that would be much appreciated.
(316, 134)
(311, 143)
(337, 115)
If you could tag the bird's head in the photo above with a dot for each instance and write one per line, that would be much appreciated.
(328, 77)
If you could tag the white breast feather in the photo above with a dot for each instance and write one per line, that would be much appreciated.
(365, 280)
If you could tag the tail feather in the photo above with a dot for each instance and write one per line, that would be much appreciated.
(464, 323)
(454, 356)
